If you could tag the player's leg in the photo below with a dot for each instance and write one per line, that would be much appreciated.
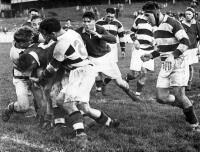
(22, 103)
(98, 115)
(187, 107)
(125, 87)
(191, 73)
(141, 81)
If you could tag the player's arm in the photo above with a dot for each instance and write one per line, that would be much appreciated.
(120, 34)
(182, 37)
(106, 36)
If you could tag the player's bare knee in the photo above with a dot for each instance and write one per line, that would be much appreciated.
(70, 107)
(60, 99)
(85, 107)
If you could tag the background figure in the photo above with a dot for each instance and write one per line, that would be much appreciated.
(68, 24)
(192, 28)
(32, 12)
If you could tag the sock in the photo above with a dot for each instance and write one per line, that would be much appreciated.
(102, 119)
(11, 107)
(139, 87)
(59, 115)
(99, 83)
(107, 80)
(77, 122)
(190, 115)
(138, 93)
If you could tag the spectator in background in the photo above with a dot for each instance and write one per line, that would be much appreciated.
(96, 13)
(32, 12)
(68, 24)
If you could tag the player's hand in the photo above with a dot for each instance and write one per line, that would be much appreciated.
(123, 54)
(136, 44)
(33, 79)
(95, 33)
(169, 63)
(146, 57)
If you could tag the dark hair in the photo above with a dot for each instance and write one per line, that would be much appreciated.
(33, 10)
(110, 10)
(23, 34)
(36, 17)
(150, 6)
(68, 20)
(50, 25)
(89, 15)
(190, 9)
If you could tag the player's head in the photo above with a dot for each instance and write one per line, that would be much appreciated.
(189, 13)
(33, 12)
(26, 63)
(35, 22)
(110, 14)
(23, 37)
(88, 20)
(49, 27)
(152, 12)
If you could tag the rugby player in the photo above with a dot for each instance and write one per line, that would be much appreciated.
(143, 33)
(172, 41)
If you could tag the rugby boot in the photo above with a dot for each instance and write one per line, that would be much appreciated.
(114, 123)
(7, 112)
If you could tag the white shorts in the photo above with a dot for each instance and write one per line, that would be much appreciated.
(136, 62)
(105, 66)
(114, 52)
(23, 94)
(81, 81)
(191, 56)
(177, 76)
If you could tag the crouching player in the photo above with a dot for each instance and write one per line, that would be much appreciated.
(23, 38)
(71, 53)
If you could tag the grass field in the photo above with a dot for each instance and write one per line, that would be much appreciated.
(145, 127)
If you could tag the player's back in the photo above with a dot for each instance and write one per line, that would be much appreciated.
(70, 49)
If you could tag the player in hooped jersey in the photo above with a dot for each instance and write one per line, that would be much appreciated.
(172, 41)
(114, 27)
(70, 53)
(142, 33)
(23, 38)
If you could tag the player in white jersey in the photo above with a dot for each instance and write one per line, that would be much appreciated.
(23, 37)
(71, 53)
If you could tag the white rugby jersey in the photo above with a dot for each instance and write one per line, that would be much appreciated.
(70, 50)
(14, 56)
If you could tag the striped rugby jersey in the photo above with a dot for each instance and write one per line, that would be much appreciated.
(69, 52)
(144, 33)
(170, 36)
(115, 28)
